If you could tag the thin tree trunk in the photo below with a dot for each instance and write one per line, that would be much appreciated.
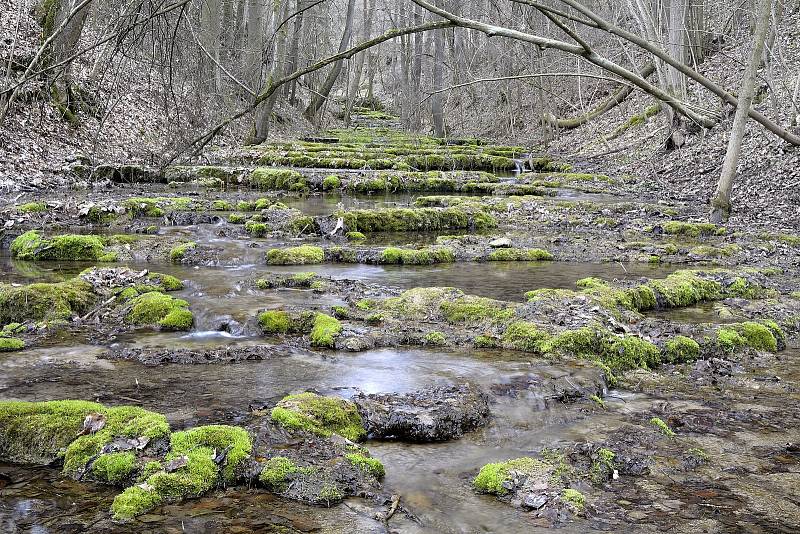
(721, 204)
(263, 112)
(437, 104)
(355, 84)
(321, 96)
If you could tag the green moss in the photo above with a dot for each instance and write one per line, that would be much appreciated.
(524, 336)
(236, 441)
(602, 465)
(237, 218)
(200, 474)
(426, 256)
(436, 339)
(320, 415)
(574, 498)
(277, 179)
(276, 473)
(662, 426)
(597, 400)
(221, 205)
(10, 344)
(492, 476)
(45, 302)
(114, 468)
(302, 255)
(630, 352)
(32, 207)
(324, 330)
(681, 349)
(30, 246)
(178, 253)
(471, 309)
(166, 281)
(373, 466)
(331, 182)
(144, 207)
(274, 321)
(415, 219)
(758, 336)
(134, 501)
(516, 254)
(692, 229)
(355, 236)
(157, 308)
(485, 342)
(256, 229)
(245, 205)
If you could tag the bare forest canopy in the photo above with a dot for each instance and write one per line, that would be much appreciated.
(235, 67)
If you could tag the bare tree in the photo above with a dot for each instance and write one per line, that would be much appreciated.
(721, 204)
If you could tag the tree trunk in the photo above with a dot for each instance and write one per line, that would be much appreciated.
(437, 105)
(355, 84)
(321, 96)
(263, 112)
(721, 205)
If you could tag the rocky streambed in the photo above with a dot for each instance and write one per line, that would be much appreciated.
(398, 346)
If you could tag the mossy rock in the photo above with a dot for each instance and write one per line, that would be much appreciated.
(178, 253)
(45, 302)
(11, 344)
(213, 455)
(31, 246)
(155, 308)
(320, 415)
(324, 331)
(517, 254)
(425, 256)
(302, 255)
(277, 179)
(42, 432)
(494, 478)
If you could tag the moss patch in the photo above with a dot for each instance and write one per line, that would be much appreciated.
(324, 330)
(302, 255)
(492, 477)
(45, 302)
(157, 308)
(373, 466)
(320, 415)
(31, 246)
(520, 254)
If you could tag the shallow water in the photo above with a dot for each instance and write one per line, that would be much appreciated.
(431, 478)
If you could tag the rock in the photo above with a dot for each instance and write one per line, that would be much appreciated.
(312, 469)
(223, 354)
(534, 501)
(432, 414)
(501, 242)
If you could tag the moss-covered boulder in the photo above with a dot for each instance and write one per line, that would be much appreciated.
(199, 459)
(155, 308)
(32, 246)
(80, 434)
(302, 255)
(315, 469)
(45, 302)
(320, 415)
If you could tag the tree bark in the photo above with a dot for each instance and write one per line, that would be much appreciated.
(721, 204)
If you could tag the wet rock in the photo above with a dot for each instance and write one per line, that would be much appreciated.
(432, 414)
(225, 354)
(310, 468)
(502, 242)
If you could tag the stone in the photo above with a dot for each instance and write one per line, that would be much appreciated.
(501, 242)
(436, 413)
